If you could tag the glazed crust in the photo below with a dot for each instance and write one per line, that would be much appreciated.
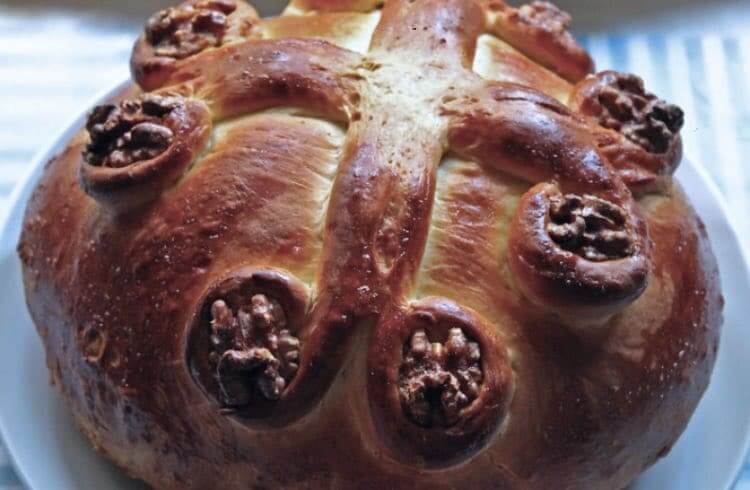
(477, 288)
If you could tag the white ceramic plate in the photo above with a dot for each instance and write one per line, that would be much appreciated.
(49, 453)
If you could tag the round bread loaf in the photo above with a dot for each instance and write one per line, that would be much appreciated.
(367, 244)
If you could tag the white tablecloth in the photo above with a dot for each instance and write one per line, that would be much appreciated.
(51, 66)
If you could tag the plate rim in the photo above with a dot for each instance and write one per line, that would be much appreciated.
(74, 124)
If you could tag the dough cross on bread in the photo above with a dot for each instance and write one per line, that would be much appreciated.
(578, 247)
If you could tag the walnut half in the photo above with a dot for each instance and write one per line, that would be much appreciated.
(252, 350)
(589, 226)
(179, 32)
(437, 380)
(128, 132)
(640, 116)
(545, 16)
(439, 383)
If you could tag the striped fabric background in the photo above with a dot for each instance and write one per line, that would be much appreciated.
(46, 76)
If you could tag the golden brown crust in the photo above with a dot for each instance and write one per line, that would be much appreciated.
(497, 60)
(371, 269)
(310, 74)
(448, 31)
(345, 29)
(336, 5)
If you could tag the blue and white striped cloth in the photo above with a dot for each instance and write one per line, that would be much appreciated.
(46, 76)
(47, 73)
